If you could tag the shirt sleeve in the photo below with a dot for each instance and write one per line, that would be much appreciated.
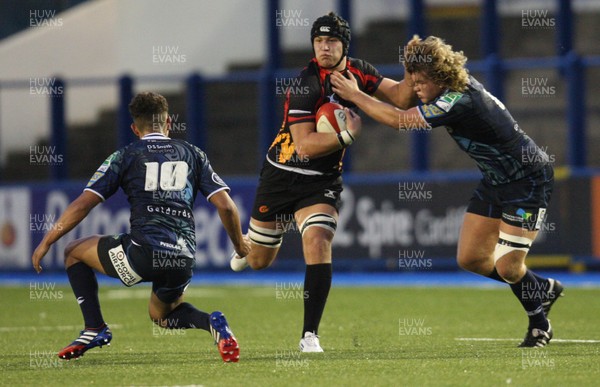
(372, 78)
(107, 178)
(446, 109)
(210, 181)
(366, 74)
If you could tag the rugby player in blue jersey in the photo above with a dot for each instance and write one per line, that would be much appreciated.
(161, 177)
(509, 205)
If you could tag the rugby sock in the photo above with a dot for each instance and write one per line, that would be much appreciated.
(85, 287)
(544, 283)
(317, 282)
(528, 292)
(185, 315)
(495, 276)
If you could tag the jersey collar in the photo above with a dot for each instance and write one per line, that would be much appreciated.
(155, 136)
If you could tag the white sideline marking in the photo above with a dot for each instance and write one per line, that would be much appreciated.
(553, 340)
(47, 328)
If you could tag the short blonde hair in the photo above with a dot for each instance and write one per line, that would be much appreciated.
(437, 61)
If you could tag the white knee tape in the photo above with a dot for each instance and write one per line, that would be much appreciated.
(319, 219)
(265, 236)
(508, 243)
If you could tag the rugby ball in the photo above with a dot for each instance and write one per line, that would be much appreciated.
(331, 118)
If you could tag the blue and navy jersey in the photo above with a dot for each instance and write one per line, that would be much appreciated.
(482, 126)
(161, 177)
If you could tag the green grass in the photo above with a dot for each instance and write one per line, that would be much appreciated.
(360, 333)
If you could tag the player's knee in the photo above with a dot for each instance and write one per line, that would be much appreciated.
(316, 244)
(464, 263)
(510, 270)
(157, 319)
(68, 253)
(479, 264)
(259, 264)
(320, 224)
(509, 256)
(261, 257)
(317, 232)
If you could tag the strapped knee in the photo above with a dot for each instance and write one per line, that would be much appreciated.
(319, 219)
(265, 236)
(508, 243)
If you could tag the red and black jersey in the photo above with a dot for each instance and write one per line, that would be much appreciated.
(312, 89)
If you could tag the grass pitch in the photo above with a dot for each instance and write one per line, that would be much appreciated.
(371, 337)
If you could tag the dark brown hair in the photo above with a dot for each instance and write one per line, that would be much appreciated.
(149, 111)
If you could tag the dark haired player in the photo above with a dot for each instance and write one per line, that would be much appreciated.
(509, 205)
(301, 176)
(161, 177)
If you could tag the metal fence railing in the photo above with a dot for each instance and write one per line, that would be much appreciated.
(569, 64)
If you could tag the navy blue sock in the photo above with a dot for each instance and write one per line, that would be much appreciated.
(186, 316)
(530, 293)
(544, 283)
(495, 276)
(85, 287)
(317, 282)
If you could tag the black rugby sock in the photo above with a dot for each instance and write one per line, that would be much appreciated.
(317, 282)
(529, 292)
(185, 316)
(85, 287)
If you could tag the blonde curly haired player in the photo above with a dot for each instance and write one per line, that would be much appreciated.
(445, 67)
(508, 207)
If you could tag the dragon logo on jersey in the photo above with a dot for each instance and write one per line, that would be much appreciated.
(446, 101)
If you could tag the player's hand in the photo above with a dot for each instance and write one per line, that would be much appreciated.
(344, 86)
(245, 248)
(37, 256)
(353, 123)
(408, 78)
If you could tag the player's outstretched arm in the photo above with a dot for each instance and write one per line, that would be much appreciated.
(399, 94)
(378, 110)
(75, 213)
(230, 218)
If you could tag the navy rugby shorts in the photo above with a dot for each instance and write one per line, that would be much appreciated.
(133, 263)
(521, 203)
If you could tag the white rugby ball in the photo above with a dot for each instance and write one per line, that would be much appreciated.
(330, 118)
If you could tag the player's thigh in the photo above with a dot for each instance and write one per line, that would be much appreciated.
(265, 236)
(317, 224)
(477, 242)
(84, 250)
